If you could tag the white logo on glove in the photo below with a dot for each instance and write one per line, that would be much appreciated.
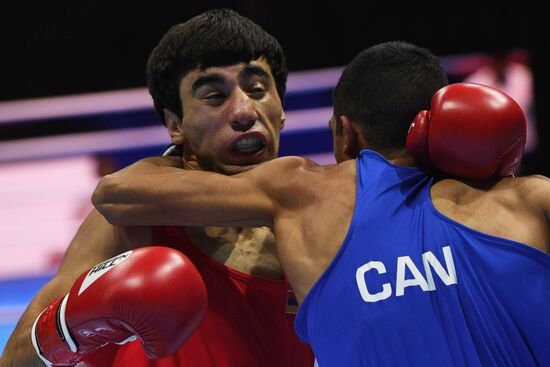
(97, 271)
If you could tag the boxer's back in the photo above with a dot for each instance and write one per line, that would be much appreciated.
(510, 207)
(514, 208)
(416, 284)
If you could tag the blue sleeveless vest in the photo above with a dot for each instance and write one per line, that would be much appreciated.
(411, 287)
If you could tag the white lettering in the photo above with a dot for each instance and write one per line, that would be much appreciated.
(97, 271)
(430, 262)
(402, 283)
(362, 284)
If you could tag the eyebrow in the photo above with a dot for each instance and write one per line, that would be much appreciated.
(207, 79)
(253, 70)
(248, 72)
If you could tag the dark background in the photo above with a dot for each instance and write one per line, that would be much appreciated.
(66, 47)
(62, 47)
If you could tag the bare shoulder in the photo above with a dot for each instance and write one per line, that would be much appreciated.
(530, 192)
(536, 189)
(297, 169)
(290, 163)
(532, 186)
(278, 171)
(538, 180)
(295, 177)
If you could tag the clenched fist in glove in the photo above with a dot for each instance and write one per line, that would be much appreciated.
(154, 294)
(472, 131)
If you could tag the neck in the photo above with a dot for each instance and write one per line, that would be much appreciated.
(192, 165)
(192, 162)
(404, 161)
(400, 157)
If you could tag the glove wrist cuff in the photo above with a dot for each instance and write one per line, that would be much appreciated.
(51, 338)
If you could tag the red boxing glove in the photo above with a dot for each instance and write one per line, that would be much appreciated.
(153, 293)
(472, 131)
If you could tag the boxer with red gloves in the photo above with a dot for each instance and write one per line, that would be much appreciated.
(471, 131)
(217, 82)
(154, 294)
(391, 265)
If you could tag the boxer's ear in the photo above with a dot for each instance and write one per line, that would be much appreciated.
(174, 125)
(283, 120)
(351, 137)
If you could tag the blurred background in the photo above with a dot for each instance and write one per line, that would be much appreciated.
(73, 103)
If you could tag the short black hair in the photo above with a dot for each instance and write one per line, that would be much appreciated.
(217, 37)
(384, 87)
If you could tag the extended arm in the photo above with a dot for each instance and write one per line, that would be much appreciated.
(184, 197)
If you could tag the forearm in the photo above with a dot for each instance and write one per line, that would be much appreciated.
(19, 350)
(124, 197)
(181, 197)
(158, 199)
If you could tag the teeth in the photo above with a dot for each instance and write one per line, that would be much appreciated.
(250, 141)
(249, 145)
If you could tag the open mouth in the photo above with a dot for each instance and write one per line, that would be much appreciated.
(249, 145)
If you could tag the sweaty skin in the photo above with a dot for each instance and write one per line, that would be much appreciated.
(310, 207)
(238, 100)
(225, 105)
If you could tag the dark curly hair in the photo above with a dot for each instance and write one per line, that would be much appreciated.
(216, 37)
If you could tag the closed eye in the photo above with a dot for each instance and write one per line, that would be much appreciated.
(257, 91)
(214, 96)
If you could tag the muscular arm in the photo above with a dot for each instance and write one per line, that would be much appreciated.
(194, 198)
(308, 206)
(95, 241)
